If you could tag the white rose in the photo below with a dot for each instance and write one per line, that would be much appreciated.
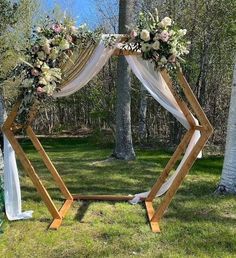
(156, 45)
(166, 22)
(182, 32)
(145, 35)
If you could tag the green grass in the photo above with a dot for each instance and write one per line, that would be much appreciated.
(197, 223)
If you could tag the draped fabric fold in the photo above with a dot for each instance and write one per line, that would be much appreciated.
(156, 86)
(76, 63)
(12, 192)
(97, 61)
(87, 65)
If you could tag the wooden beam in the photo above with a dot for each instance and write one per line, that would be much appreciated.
(150, 212)
(178, 152)
(123, 52)
(194, 103)
(48, 163)
(102, 197)
(184, 108)
(31, 173)
(56, 223)
(206, 131)
(179, 178)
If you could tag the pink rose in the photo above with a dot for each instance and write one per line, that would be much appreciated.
(57, 28)
(164, 36)
(40, 90)
(35, 72)
(133, 34)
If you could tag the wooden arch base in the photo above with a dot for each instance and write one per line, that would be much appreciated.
(154, 216)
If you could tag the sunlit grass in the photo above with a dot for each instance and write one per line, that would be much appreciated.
(197, 223)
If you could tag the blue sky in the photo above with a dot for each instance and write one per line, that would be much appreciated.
(85, 11)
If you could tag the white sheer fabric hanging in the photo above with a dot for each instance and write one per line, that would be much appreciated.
(92, 68)
(152, 81)
(12, 192)
(156, 86)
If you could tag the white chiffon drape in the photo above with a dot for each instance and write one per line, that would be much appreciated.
(151, 80)
(157, 87)
(12, 192)
(98, 59)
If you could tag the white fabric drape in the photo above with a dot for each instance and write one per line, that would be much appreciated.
(156, 86)
(152, 81)
(12, 192)
(98, 59)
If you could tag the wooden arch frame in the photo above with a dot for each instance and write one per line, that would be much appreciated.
(10, 128)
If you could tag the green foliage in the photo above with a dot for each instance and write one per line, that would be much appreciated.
(14, 35)
(197, 224)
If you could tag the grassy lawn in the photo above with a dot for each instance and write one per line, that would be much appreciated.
(197, 224)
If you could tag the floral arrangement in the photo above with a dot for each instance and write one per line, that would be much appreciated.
(159, 40)
(52, 44)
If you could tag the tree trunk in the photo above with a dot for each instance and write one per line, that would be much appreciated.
(143, 115)
(124, 146)
(1, 158)
(228, 177)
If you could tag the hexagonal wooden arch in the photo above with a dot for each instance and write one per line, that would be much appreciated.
(10, 128)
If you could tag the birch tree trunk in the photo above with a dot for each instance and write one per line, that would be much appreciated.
(228, 177)
(1, 157)
(124, 146)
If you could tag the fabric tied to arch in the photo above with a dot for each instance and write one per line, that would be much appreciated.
(78, 77)
(157, 87)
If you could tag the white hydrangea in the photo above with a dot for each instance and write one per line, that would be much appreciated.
(145, 35)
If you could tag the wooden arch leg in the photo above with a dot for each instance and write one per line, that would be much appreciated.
(206, 131)
(158, 214)
(178, 152)
(32, 174)
(29, 169)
